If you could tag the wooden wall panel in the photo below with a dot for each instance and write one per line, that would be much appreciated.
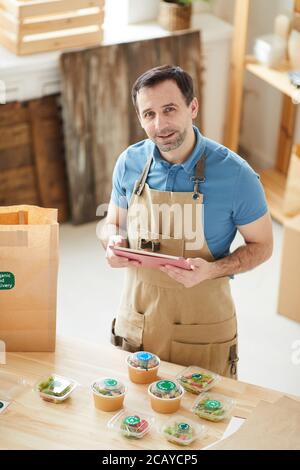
(99, 118)
(32, 166)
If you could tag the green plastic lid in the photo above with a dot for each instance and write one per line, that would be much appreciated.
(166, 385)
(213, 405)
(197, 376)
(166, 389)
(108, 386)
(143, 360)
(132, 420)
(183, 427)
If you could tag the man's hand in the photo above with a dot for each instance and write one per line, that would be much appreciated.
(118, 261)
(258, 248)
(201, 270)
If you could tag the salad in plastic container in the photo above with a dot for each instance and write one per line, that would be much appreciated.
(55, 388)
(132, 424)
(213, 406)
(109, 393)
(197, 380)
(182, 431)
(165, 396)
(142, 367)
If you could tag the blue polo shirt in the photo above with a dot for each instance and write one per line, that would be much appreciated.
(232, 192)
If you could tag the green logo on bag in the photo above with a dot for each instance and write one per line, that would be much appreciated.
(7, 280)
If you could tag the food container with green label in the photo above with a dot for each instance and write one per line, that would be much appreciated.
(182, 431)
(165, 396)
(142, 367)
(197, 380)
(213, 406)
(55, 388)
(130, 423)
(109, 393)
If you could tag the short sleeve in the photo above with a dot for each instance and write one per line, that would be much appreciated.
(249, 202)
(118, 194)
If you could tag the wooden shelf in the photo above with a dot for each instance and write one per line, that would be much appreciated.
(277, 78)
(274, 183)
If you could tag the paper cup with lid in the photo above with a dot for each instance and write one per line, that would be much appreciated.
(213, 406)
(196, 380)
(142, 367)
(55, 388)
(130, 423)
(109, 393)
(181, 430)
(165, 396)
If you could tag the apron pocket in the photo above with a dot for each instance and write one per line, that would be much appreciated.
(129, 327)
(218, 357)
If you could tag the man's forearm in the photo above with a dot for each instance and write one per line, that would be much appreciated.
(241, 260)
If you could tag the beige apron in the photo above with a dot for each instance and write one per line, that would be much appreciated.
(188, 326)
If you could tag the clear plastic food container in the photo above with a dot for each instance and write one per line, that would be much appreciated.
(11, 386)
(3, 405)
(109, 393)
(142, 367)
(165, 396)
(213, 406)
(197, 380)
(55, 388)
(182, 431)
(132, 424)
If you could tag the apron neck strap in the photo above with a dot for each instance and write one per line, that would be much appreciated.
(143, 178)
(197, 179)
(199, 176)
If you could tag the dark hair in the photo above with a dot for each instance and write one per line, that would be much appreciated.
(157, 75)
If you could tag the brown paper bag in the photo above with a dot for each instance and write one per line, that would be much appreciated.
(28, 277)
(291, 202)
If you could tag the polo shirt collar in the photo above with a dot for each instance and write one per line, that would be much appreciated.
(189, 165)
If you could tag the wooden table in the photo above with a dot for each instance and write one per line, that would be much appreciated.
(31, 423)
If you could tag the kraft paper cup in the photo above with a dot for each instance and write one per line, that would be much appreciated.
(108, 394)
(142, 367)
(165, 396)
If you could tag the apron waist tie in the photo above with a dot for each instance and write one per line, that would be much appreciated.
(233, 359)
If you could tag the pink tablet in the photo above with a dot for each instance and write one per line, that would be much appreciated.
(149, 259)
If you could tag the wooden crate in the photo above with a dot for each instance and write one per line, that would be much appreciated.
(31, 26)
(32, 164)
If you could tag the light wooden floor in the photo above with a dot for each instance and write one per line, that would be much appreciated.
(89, 293)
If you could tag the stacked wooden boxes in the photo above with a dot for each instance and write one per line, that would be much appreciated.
(32, 165)
(30, 26)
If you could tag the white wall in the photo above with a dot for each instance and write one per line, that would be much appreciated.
(261, 104)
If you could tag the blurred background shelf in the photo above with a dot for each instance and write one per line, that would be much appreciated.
(282, 182)
(276, 78)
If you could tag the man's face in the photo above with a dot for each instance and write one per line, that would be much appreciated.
(164, 114)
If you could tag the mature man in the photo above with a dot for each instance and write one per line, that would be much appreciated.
(182, 194)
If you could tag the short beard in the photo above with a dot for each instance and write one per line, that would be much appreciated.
(169, 147)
